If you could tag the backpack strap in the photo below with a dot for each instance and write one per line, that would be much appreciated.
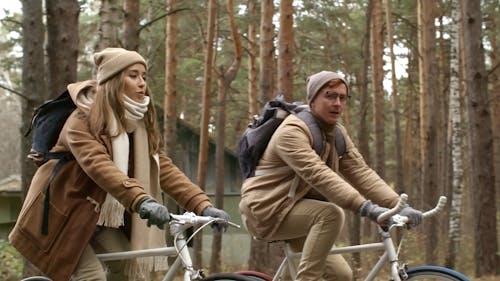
(63, 158)
(312, 124)
(339, 141)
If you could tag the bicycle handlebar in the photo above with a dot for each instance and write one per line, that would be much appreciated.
(190, 218)
(402, 203)
(403, 198)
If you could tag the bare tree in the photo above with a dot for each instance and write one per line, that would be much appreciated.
(225, 77)
(481, 143)
(205, 114)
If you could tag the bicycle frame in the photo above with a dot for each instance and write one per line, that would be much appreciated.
(180, 250)
(386, 245)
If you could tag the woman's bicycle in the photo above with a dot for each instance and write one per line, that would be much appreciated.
(178, 226)
(398, 269)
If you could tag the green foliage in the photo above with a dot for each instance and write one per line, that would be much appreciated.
(11, 263)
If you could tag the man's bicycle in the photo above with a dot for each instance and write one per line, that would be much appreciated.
(183, 262)
(390, 254)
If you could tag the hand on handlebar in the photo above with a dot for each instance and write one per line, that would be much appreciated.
(414, 216)
(154, 212)
(217, 213)
(370, 210)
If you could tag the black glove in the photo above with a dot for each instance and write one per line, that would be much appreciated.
(155, 213)
(216, 213)
(414, 216)
(370, 210)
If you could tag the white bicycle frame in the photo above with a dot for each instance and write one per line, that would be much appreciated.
(390, 254)
(178, 225)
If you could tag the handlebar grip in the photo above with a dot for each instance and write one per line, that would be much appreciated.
(403, 199)
(439, 207)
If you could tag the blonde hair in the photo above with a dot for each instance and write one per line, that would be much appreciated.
(109, 103)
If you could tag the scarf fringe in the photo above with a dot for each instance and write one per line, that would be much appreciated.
(140, 268)
(111, 213)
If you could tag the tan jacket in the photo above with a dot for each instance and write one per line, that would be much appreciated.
(76, 194)
(267, 198)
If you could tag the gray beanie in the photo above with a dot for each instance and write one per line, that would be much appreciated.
(316, 81)
(111, 61)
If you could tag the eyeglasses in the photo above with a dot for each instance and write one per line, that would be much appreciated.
(334, 96)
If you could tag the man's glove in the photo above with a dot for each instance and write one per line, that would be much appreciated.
(370, 210)
(216, 213)
(414, 216)
(155, 213)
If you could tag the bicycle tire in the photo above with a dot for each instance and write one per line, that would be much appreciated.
(228, 277)
(255, 275)
(434, 273)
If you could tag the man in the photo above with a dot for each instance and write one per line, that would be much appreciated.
(298, 196)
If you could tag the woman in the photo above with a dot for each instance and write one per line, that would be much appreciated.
(107, 198)
(298, 196)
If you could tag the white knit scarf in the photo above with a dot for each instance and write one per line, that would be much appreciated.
(142, 236)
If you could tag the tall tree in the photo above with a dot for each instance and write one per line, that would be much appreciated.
(170, 100)
(285, 47)
(252, 58)
(131, 17)
(62, 43)
(205, 113)
(481, 142)
(363, 131)
(455, 141)
(109, 21)
(266, 55)
(492, 15)
(226, 76)
(377, 39)
(34, 87)
(428, 90)
(395, 97)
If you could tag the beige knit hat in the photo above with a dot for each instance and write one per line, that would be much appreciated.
(111, 61)
(316, 81)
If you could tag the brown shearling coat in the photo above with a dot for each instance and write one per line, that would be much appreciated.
(76, 193)
(265, 199)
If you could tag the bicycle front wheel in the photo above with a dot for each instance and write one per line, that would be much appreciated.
(228, 277)
(434, 273)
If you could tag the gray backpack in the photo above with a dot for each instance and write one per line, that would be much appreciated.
(254, 140)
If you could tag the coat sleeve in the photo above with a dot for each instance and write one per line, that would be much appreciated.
(293, 146)
(178, 186)
(94, 158)
(354, 168)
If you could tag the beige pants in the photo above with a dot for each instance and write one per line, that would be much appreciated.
(90, 268)
(312, 227)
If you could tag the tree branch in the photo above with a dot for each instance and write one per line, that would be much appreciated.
(14, 92)
(161, 17)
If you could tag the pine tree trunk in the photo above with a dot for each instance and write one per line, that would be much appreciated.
(205, 116)
(34, 88)
(378, 91)
(428, 115)
(481, 140)
(62, 43)
(253, 108)
(266, 55)
(285, 47)
(131, 24)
